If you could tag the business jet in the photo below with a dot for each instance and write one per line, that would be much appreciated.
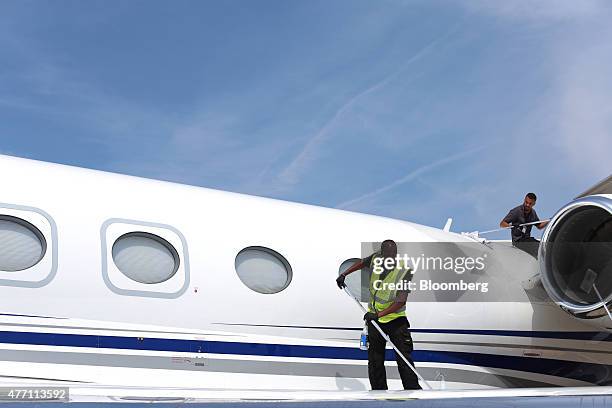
(120, 287)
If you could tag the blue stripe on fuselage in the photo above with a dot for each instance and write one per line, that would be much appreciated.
(594, 373)
(561, 335)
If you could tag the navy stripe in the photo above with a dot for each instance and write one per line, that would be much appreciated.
(95, 341)
(594, 373)
(589, 372)
(562, 335)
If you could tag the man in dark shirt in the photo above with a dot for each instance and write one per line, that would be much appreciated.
(521, 235)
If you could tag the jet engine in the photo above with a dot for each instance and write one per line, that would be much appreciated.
(575, 258)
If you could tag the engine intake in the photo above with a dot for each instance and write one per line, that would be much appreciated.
(576, 258)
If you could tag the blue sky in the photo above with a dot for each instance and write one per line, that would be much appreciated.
(417, 110)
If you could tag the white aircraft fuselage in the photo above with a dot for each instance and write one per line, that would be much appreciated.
(74, 317)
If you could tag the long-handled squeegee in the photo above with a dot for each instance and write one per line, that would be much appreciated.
(387, 338)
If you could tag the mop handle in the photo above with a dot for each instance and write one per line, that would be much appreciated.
(387, 338)
(513, 226)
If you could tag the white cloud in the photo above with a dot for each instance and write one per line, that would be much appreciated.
(585, 106)
(568, 132)
(560, 144)
(532, 10)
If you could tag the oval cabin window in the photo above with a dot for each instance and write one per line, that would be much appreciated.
(22, 245)
(145, 257)
(263, 270)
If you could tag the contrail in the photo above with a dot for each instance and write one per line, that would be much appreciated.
(291, 173)
(410, 176)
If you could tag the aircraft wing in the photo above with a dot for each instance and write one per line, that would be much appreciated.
(518, 397)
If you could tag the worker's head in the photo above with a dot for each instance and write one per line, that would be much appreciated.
(530, 200)
(388, 248)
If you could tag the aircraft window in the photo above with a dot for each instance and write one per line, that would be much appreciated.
(145, 257)
(358, 281)
(263, 270)
(22, 245)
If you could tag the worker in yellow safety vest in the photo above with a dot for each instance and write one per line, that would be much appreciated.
(387, 306)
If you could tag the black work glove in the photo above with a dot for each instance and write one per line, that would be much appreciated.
(370, 316)
(340, 281)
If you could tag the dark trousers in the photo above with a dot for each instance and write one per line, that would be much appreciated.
(397, 330)
(529, 245)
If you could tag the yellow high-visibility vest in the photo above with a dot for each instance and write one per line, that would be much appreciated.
(382, 298)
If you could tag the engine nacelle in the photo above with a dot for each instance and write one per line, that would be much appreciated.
(576, 259)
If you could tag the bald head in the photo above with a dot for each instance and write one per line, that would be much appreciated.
(388, 248)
